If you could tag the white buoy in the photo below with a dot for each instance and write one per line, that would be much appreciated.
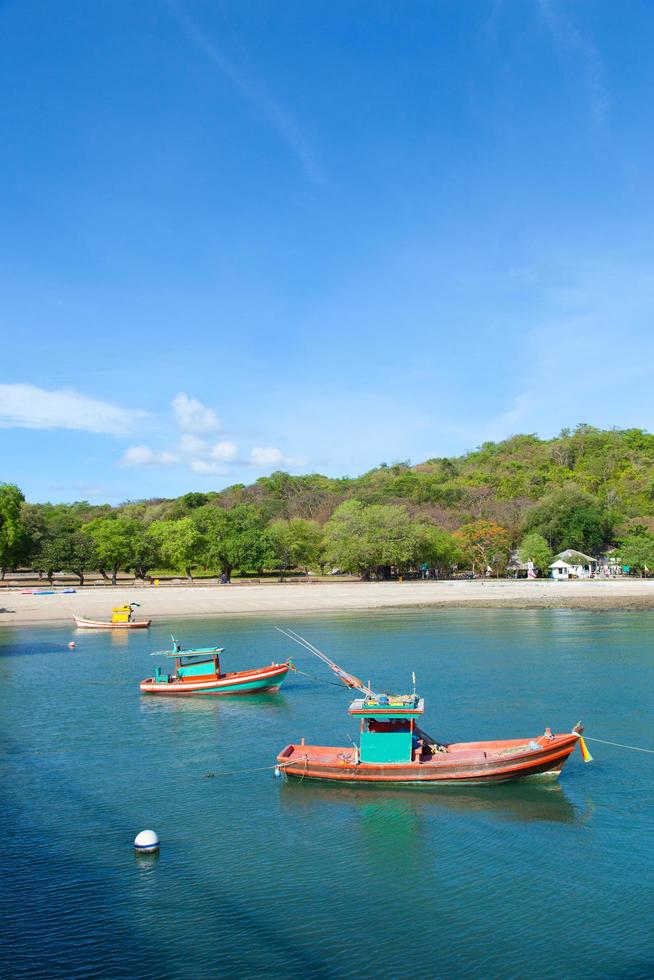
(71, 645)
(147, 841)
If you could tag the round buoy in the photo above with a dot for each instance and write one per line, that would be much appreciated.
(71, 645)
(146, 842)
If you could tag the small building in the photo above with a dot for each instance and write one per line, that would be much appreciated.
(573, 564)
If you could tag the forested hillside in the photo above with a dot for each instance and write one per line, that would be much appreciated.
(586, 489)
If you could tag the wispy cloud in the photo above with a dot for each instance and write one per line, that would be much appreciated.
(568, 38)
(27, 406)
(276, 115)
(577, 361)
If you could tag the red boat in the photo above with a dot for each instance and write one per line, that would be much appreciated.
(469, 762)
(394, 750)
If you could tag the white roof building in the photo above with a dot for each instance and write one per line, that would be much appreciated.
(571, 563)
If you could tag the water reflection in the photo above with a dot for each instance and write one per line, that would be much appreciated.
(233, 706)
(525, 802)
(119, 638)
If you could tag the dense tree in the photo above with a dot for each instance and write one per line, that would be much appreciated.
(296, 543)
(12, 531)
(580, 490)
(437, 548)
(234, 538)
(373, 539)
(180, 544)
(637, 552)
(114, 538)
(68, 551)
(486, 545)
(534, 548)
(570, 518)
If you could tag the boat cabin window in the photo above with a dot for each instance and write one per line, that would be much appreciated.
(392, 725)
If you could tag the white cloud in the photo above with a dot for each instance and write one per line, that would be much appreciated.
(192, 446)
(192, 416)
(224, 451)
(145, 456)
(266, 457)
(202, 466)
(26, 406)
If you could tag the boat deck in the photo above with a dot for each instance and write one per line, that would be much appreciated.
(460, 752)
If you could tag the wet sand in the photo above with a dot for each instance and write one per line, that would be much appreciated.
(166, 602)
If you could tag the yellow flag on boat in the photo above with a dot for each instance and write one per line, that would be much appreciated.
(585, 754)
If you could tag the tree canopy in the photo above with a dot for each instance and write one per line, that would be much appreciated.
(586, 489)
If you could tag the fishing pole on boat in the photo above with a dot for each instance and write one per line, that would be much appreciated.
(348, 679)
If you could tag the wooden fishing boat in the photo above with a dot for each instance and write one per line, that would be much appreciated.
(393, 749)
(97, 624)
(198, 672)
(121, 619)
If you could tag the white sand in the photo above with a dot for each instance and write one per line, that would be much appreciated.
(175, 601)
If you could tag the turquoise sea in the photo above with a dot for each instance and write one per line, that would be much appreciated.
(260, 878)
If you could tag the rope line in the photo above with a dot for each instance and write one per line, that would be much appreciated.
(620, 745)
(237, 772)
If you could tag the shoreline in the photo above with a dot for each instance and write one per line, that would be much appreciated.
(172, 602)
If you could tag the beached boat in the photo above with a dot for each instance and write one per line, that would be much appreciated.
(393, 749)
(198, 672)
(121, 619)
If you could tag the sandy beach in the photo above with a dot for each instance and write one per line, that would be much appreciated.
(176, 601)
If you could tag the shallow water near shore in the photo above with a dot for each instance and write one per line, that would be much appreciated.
(259, 877)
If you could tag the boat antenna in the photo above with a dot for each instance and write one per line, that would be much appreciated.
(348, 679)
(413, 677)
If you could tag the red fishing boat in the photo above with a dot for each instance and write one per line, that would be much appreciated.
(198, 672)
(393, 749)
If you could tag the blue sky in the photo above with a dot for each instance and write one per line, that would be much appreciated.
(239, 237)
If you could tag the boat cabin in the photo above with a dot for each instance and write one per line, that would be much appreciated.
(190, 666)
(122, 614)
(388, 725)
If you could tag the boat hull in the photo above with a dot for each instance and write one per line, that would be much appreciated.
(254, 681)
(97, 624)
(470, 763)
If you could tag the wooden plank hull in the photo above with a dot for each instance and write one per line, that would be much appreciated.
(470, 763)
(97, 624)
(255, 681)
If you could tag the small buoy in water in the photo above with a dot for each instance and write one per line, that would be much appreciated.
(71, 645)
(146, 842)
(277, 772)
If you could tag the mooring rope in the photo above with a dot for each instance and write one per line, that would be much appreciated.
(237, 772)
(620, 745)
(314, 677)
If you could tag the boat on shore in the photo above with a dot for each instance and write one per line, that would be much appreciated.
(394, 750)
(121, 619)
(197, 672)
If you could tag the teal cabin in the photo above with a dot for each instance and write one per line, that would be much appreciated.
(388, 725)
(190, 666)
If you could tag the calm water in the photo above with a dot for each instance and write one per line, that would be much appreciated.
(257, 877)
